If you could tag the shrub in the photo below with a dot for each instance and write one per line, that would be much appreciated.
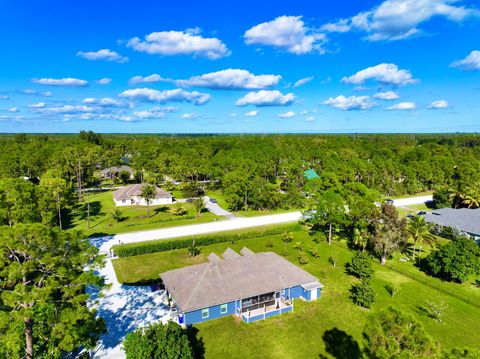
(392, 290)
(435, 309)
(298, 245)
(314, 252)
(456, 261)
(117, 215)
(360, 266)
(302, 258)
(362, 294)
(193, 251)
(332, 261)
(178, 210)
(134, 249)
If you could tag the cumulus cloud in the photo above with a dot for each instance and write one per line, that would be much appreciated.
(438, 104)
(189, 116)
(188, 42)
(104, 81)
(153, 78)
(403, 106)
(288, 114)
(4, 97)
(13, 109)
(103, 54)
(68, 81)
(154, 112)
(400, 19)
(66, 109)
(287, 33)
(103, 102)
(350, 103)
(387, 74)
(266, 98)
(310, 118)
(388, 95)
(469, 63)
(176, 95)
(37, 105)
(252, 113)
(303, 81)
(231, 79)
(36, 93)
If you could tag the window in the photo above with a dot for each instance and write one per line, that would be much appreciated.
(204, 313)
(124, 201)
(223, 308)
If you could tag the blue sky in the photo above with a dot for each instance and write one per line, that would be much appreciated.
(240, 66)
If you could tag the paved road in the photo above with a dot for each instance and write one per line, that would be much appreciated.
(412, 200)
(216, 209)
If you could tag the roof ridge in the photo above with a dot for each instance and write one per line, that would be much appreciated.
(198, 284)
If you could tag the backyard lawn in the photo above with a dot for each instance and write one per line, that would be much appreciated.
(134, 217)
(314, 328)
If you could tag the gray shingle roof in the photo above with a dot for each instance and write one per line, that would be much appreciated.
(135, 190)
(217, 282)
(464, 219)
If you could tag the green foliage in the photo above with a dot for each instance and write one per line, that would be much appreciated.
(124, 176)
(362, 294)
(418, 230)
(392, 289)
(18, 202)
(302, 258)
(360, 266)
(455, 261)
(333, 261)
(117, 215)
(287, 237)
(178, 210)
(166, 341)
(199, 204)
(134, 249)
(391, 333)
(42, 291)
(466, 353)
(193, 250)
(148, 194)
(298, 245)
(314, 252)
(435, 309)
(440, 198)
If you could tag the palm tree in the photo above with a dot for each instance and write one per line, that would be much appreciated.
(471, 199)
(418, 231)
(360, 238)
(148, 193)
(199, 204)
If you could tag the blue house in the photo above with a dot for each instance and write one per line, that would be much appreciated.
(253, 286)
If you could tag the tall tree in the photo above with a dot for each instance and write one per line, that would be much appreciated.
(390, 233)
(328, 213)
(199, 204)
(53, 195)
(17, 201)
(148, 193)
(418, 231)
(42, 291)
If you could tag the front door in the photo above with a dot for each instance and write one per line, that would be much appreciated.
(313, 294)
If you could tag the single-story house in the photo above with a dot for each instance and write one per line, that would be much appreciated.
(310, 174)
(252, 286)
(132, 195)
(113, 172)
(465, 220)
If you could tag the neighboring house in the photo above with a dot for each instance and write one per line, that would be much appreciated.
(252, 286)
(113, 172)
(132, 195)
(465, 220)
(310, 174)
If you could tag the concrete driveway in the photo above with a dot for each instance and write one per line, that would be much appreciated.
(216, 209)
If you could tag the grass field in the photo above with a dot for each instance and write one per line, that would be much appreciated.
(135, 217)
(305, 332)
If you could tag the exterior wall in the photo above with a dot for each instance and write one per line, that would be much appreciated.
(299, 292)
(138, 201)
(267, 315)
(213, 313)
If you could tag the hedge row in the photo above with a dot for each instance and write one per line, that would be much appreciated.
(134, 249)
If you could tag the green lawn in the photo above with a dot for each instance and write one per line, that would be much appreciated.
(413, 209)
(135, 217)
(299, 334)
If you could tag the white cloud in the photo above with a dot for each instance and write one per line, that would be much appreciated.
(303, 81)
(178, 95)
(252, 113)
(4, 97)
(288, 33)
(66, 109)
(103, 102)
(388, 74)
(469, 63)
(288, 114)
(350, 103)
(403, 106)
(104, 81)
(266, 98)
(180, 43)
(36, 93)
(233, 114)
(231, 79)
(189, 116)
(310, 118)
(37, 105)
(13, 109)
(68, 81)
(438, 104)
(400, 19)
(388, 95)
(103, 54)
(148, 79)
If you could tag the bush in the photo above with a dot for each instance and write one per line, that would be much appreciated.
(362, 294)
(456, 261)
(392, 290)
(314, 252)
(134, 249)
(302, 258)
(360, 266)
(435, 309)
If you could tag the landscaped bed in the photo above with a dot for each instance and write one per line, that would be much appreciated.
(328, 322)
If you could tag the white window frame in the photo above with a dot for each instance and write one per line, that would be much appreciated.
(224, 308)
(205, 313)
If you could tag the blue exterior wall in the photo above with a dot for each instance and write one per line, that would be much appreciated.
(213, 313)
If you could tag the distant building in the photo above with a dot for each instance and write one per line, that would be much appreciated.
(252, 286)
(113, 172)
(465, 220)
(310, 174)
(132, 195)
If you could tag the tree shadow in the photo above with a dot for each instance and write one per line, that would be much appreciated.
(162, 209)
(197, 343)
(341, 345)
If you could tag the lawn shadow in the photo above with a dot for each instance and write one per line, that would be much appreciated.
(162, 209)
(340, 345)
(197, 343)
